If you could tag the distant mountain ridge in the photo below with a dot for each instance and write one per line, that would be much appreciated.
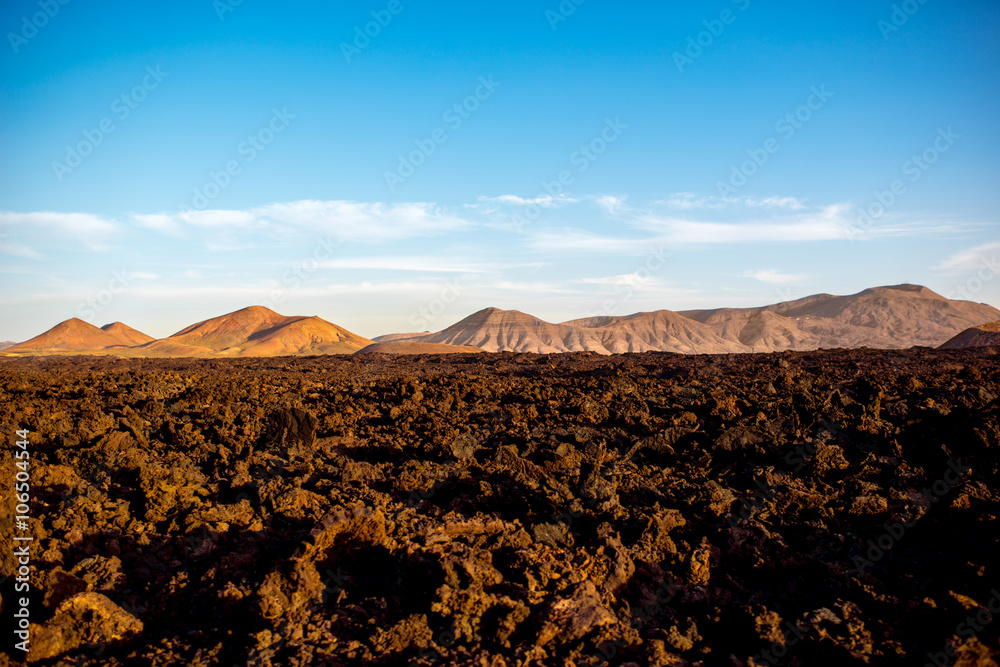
(897, 316)
(892, 317)
(496, 330)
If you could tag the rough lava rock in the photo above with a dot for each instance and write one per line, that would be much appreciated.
(826, 508)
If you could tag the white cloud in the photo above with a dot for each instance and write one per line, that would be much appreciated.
(636, 279)
(160, 222)
(91, 230)
(424, 264)
(773, 276)
(526, 287)
(346, 220)
(792, 203)
(19, 250)
(787, 226)
(692, 201)
(546, 201)
(971, 259)
(221, 219)
(570, 239)
(826, 224)
(613, 205)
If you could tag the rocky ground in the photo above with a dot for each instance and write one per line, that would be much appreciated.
(829, 508)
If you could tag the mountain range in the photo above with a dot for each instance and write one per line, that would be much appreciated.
(892, 317)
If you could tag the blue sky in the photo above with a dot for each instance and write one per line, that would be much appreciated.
(167, 162)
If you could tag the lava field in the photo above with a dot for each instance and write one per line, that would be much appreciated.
(817, 508)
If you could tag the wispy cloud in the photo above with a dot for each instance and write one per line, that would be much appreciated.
(636, 279)
(345, 220)
(773, 276)
(610, 203)
(823, 224)
(792, 203)
(19, 250)
(528, 287)
(422, 264)
(160, 222)
(547, 201)
(826, 224)
(216, 219)
(690, 201)
(364, 221)
(971, 259)
(92, 231)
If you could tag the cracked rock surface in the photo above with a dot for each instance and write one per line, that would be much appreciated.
(825, 508)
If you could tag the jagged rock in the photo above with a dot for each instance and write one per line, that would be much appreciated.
(573, 616)
(612, 509)
(85, 620)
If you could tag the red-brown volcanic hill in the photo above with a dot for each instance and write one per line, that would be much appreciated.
(986, 335)
(257, 332)
(892, 317)
(127, 333)
(7, 343)
(415, 347)
(74, 336)
(304, 336)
